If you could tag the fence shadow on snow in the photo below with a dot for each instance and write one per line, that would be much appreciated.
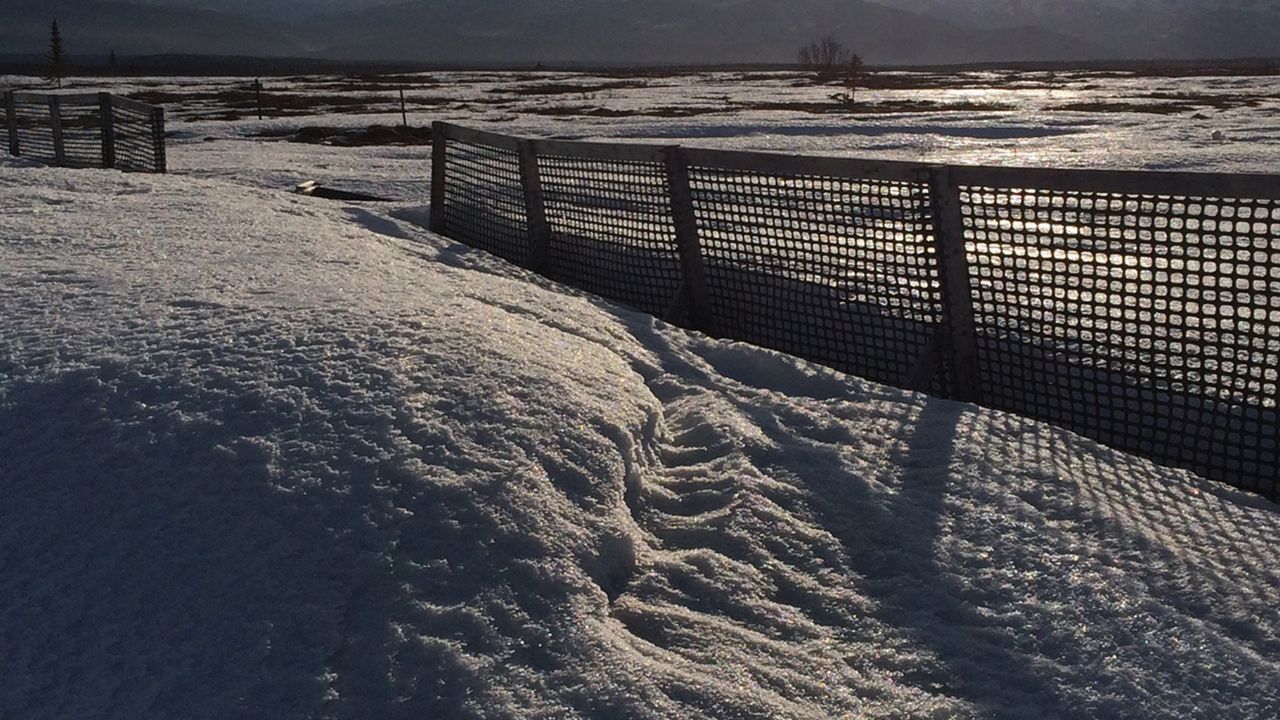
(1140, 309)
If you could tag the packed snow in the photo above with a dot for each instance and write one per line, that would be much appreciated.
(265, 455)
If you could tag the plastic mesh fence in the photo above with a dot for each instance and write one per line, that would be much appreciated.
(484, 200)
(81, 135)
(35, 131)
(1148, 321)
(1151, 323)
(139, 142)
(840, 271)
(611, 229)
(138, 133)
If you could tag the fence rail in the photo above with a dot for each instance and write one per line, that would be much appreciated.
(86, 130)
(1140, 309)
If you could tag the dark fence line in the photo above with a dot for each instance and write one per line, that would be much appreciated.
(86, 130)
(1140, 309)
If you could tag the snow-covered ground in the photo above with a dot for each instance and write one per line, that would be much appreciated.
(265, 455)
(1068, 119)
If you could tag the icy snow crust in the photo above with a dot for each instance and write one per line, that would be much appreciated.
(271, 456)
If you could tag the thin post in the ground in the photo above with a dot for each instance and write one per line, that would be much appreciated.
(257, 94)
(55, 124)
(107, 115)
(439, 146)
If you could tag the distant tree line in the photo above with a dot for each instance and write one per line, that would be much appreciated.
(57, 65)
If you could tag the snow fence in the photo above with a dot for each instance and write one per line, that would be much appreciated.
(1140, 309)
(86, 130)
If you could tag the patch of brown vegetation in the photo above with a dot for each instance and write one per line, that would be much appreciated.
(247, 99)
(567, 88)
(1106, 106)
(816, 108)
(362, 87)
(601, 112)
(239, 103)
(877, 108)
(912, 81)
(1216, 101)
(374, 135)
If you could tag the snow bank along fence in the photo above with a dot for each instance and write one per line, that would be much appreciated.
(1141, 309)
(86, 130)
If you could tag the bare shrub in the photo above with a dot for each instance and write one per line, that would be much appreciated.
(829, 60)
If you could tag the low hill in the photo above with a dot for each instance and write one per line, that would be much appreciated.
(497, 31)
(90, 28)
(1133, 28)
(676, 31)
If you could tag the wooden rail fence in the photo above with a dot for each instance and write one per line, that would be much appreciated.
(1141, 309)
(86, 130)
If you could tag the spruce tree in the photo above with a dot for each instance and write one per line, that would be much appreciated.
(57, 58)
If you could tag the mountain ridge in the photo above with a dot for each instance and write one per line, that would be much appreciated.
(1140, 28)
(100, 26)
(619, 31)
(888, 32)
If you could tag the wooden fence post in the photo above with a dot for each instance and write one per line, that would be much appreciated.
(55, 124)
(439, 146)
(108, 119)
(957, 293)
(11, 121)
(535, 207)
(693, 272)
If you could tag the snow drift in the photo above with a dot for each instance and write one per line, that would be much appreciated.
(268, 456)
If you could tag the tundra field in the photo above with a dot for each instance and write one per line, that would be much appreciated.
(1113, 119)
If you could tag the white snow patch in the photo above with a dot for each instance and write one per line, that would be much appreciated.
(270, 456)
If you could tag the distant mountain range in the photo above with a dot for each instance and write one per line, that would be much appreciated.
(652, 31)
(89, 27)
(1132, 29)
(676, 31)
